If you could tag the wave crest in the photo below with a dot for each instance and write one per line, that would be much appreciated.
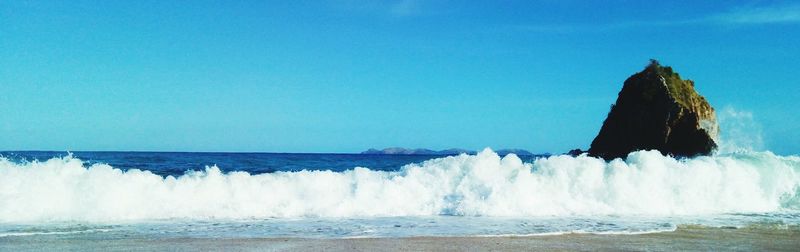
(647, 183)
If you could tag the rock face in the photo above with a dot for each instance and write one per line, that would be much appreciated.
(658, 110)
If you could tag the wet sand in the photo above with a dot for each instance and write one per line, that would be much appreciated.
(685, 238)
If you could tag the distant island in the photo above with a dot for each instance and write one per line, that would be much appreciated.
(454, 151)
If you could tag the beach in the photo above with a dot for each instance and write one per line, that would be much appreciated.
(692, 238)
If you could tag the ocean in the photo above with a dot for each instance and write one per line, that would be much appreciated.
(114, 195)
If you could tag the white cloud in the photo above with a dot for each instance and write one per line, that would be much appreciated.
(760, 15)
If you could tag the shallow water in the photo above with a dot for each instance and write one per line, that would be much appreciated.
(383, 227)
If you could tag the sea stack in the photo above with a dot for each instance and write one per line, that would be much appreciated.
(657, 110)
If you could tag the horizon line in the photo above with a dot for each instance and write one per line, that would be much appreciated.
(263, 152)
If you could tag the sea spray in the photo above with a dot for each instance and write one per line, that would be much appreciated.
(740, 131)
(647, 183)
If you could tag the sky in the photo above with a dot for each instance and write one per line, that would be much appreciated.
(347, 75)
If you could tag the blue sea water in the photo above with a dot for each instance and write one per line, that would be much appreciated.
(163, 194)
(177, 163)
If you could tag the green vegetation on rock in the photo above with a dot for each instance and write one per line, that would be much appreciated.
(682, 90)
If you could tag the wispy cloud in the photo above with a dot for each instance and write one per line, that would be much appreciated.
(608, 27)
(760, 15)
(776, 14)
(405, 8)
(393, 8)
(602, 27)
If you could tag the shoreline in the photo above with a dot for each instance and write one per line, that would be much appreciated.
(684, 238)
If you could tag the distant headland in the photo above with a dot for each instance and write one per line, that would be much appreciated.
(453, 151)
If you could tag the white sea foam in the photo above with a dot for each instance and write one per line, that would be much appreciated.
(648, 183)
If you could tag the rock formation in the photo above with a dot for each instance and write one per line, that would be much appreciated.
(658, 110)
(575, 152)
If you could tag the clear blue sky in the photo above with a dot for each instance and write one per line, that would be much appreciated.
(343, 76)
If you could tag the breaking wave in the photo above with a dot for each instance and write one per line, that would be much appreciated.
(647, 183)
